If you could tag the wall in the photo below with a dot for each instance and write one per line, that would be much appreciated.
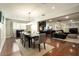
(54, 25)
(18, 26)
(2, 34)
(34, 26)
(68, 24)
(9, 28)
(64, 25)
(12, 26)
(28, 27)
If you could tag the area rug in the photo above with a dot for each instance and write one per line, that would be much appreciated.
(33, 51)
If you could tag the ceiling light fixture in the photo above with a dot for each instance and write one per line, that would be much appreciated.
(67, 17)
(50, 20)
(29, 18)
(53, 7)
(71, 20)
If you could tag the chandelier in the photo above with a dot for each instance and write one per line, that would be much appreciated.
(29, 18)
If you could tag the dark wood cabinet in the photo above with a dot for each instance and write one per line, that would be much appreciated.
(42, 26)
(18, 33)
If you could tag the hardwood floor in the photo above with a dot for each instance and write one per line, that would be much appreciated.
(8, 47)
(62, 48)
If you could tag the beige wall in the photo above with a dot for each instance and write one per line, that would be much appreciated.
(28, 27)
(34, 27)
(2, 34)
(9, 28)
(64, 25)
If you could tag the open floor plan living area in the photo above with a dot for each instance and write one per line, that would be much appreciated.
(39, 29)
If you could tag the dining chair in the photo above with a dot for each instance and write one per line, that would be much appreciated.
(41, 39)
(21, 37)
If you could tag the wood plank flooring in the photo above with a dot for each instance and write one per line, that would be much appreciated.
(8, 47)
(62, 48)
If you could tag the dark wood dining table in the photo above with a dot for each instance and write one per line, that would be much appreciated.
(31, 37)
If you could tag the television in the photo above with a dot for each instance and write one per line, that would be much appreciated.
(0, 16)
(73, 30)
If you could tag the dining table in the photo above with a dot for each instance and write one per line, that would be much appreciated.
(31, 37)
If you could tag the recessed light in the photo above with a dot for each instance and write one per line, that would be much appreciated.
(53, 7)
(67, 17)
(71, 20)
(50, 20)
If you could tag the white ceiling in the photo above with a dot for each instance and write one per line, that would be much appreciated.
(73, 16)
(20, 10)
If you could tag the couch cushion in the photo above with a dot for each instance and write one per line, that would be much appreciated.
(72, 36)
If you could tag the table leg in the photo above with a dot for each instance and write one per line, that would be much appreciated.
(29, 42)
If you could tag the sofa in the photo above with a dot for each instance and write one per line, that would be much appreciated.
(59, 34)
(73, 33)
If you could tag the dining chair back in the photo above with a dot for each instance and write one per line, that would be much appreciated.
(41, 39)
